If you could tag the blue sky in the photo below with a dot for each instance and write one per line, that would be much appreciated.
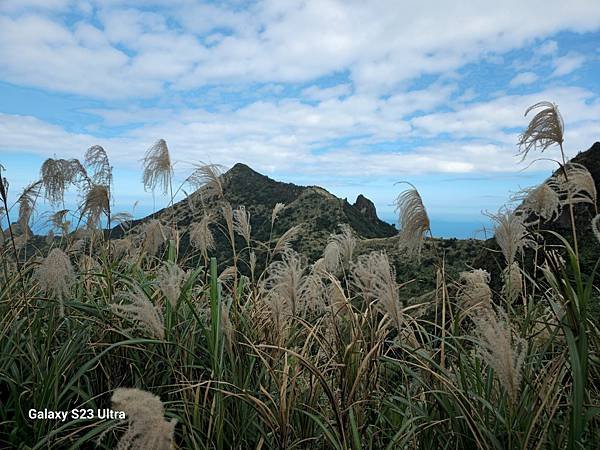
(350, 95)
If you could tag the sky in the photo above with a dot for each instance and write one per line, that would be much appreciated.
(354, 96)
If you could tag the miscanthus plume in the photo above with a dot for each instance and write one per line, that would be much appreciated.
(413, 221)
(55, 276)
(137, 308)
(147, 427)
(201, 236)
(501, 350)
(170, 279)
(475, 294)
(158, 170)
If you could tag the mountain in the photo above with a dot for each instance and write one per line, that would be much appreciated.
(318, 212)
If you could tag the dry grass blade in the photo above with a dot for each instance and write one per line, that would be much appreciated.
(158, 170)
(546, 128)
(412, 219)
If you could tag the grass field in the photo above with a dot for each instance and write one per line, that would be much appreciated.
(277, 351)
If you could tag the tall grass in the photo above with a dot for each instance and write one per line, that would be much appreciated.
(269, 350)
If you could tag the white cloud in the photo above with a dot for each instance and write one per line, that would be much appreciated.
(131, 51)
(289, 136)
(524, 78)
(564, 65)
(549, 47)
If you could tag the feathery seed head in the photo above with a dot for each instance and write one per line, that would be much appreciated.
(543, 201)
(148, 429)
(97, 202)
(276, 210)
(475, 294)
(284, 242)
(545, 129)
(97, 160)
(55, 275)
(170, 279)
(577, 184)
(513, 282)
(285, 280)
(201, 237)
(375, 278)
(207, 179)
(241, 223)
(413, 221)
(501, 351)
(57, 175)
(596, 226)
(158, 170)
(155, 235)
(146, 316)
(121, 247)
(26, 203)
(510, 233)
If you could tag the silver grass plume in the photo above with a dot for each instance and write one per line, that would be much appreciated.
(201, 236)
(543, 201)
(158, 170)
(154, 236)
(57, 174)
(546, 128)
(121, 247)
(26, 203)
(97, 160)
(207, 179)
(284, 283)
(148, 429)
(170, 279)
(513, 281)
(475, 294)
(241, 223)
(227, 211)
(96, 203)
(276, 210)
(284, 242)
(146, 316)
(502, 351)
(413, 220)
(375, 278)
(577, 185)
(510, 233)
(338, 252)
(55, 276)
(58, 221)
(596, 227)
(122, 218)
